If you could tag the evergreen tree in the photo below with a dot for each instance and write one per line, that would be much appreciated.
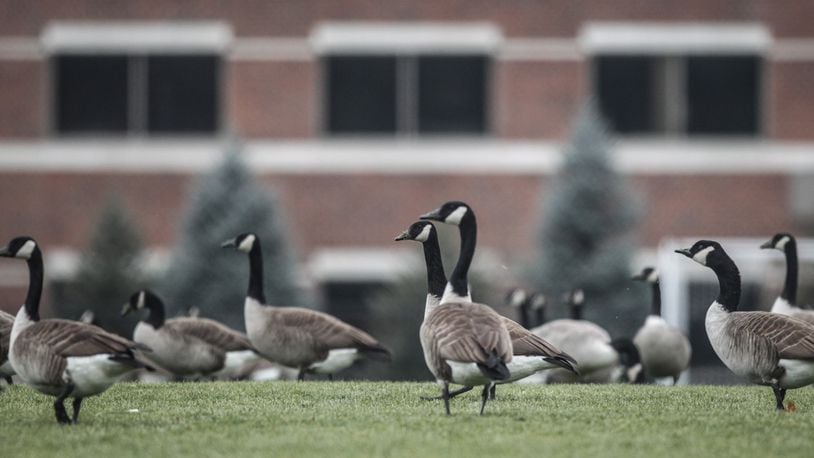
(109, 271)
(587, 230)
(224, 203)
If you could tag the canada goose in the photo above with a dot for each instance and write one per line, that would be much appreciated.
(185, 346)
(587, 342)
(786, 303)
(305, 339)
(518, 299)
(665, 351)
(530, 353)
(765, 348)
(536, 305)
(6, 321)
(59, 357)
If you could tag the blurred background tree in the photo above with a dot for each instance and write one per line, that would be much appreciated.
(224, 203)
(110, 269)
(587, 230)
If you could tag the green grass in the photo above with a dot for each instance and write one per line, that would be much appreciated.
(387, 419)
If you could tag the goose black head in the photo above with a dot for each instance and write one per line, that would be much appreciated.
(516, 297)
(705, 252)
(451, 212)
(575, 298)
(137, 301)
(778, 241)
(420, 231)
(19, 247)
(648, 274)
(243, 242)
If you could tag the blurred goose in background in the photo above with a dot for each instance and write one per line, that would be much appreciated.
(664, 350)
(59, 357)
(187, 346)
(517, 300)
(6, 321)
(305, 339)
(765, 348)
(536, 305)
(786, 302)
(530, 352)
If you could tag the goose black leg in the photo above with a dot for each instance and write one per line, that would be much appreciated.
(445, 396)
(492, 391)
(484, 395)
(8, 380)
(452, 394)
(779, 395)
(77, 404)
(301, 375)
(59, 407)
(330, 377)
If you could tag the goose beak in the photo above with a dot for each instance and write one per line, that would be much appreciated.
(685, 252)
(767, 245)
(434, 215)
(403, 236)
(229, 243)
(126, 308)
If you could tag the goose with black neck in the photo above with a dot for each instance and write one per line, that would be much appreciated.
(59, 357)
(304, 339)
(786, 302)
(765, 348)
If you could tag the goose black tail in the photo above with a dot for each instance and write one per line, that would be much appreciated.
(378, 354)
(495, 368)
(565, 362)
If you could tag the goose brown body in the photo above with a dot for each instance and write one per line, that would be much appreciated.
(6, 322)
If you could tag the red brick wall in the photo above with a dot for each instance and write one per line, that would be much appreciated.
(790, 102)
(21, 98)
(273, 99)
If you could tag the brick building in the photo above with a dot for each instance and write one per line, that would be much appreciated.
(364, 114)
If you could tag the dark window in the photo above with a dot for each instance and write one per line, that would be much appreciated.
(91, 93)
(406, 94)
(625, 92)
(362, 94)
(182, 93)
(695, 95)
(162, 94)
(452, 94)
(723, 94)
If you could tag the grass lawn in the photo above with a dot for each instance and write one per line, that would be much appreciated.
(387, 419)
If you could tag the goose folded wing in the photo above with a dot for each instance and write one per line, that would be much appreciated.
(70, 338)
(792, 338)
(211, 332)
(469, 334)
(526, 343)
(330, 333)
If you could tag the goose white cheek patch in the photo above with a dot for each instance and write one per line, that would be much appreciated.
(701, 256)
(781, 244)
(653, 277)
(246, 244)
(25, 251)
(425, 234)
(141, 299)
(456, 216)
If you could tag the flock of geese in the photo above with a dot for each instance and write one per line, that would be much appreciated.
(464, 343)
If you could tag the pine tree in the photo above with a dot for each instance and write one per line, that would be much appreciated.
(224, 203)
(109, 271)
(587, 230)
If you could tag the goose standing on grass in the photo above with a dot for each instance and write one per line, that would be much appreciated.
(308, 340)
(786, 303)
(664, 350)
(6, 321)
(530, 352)
(59, 357)
(186, 346)
(765, 348)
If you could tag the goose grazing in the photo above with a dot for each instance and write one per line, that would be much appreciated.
(786, 303)
(6, 321)
(59, 357)
(308, 340)
(589, 343)
(765, 348)
(530, 352)
(186, 346)
(664, 350)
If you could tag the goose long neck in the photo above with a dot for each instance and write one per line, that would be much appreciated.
(468, 228)
(156, 313)
(256, 273)
(790, 287)
(35, 276)
(436, 278)
(655, 302)
(540, 316)
(729, 283)
(576, 312)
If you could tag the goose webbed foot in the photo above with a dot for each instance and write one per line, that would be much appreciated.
(77, 404)
(779, 395)
(59, 407)
(484, 396)
(452, 394)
